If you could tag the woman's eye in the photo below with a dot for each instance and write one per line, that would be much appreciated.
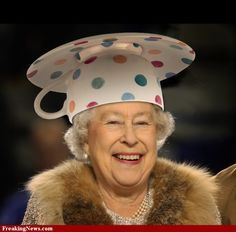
(113, 122)
(142, 123)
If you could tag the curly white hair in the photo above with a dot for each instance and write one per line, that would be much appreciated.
(76, 136)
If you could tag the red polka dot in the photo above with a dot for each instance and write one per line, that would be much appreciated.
(120, 59)
(157, 63)
(158, 100)
(71, 106)
(31, 74)
(82, 42)
(90, 60)
(91, 104)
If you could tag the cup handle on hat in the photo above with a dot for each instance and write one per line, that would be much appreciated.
(41, 95)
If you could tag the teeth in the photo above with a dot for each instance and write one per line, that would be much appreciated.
(129, 157)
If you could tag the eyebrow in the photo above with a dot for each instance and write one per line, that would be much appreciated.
(143, 113)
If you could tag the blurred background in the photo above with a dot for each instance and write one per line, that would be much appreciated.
(201, 98)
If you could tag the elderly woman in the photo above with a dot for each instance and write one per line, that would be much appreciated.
(116, 176)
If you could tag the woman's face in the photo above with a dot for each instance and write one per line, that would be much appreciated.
(122, 143)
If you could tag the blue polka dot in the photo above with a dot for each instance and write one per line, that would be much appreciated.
(56, 74)
(78, 49)
(77, 55)
(169, 74)
(127, 96)
(141, 80)
(107, 43)
(152, 39)
(76, 74)
(176, 47)
(136, 45)
(98, 82)
(109, 40)
(37, 61)
(186, 61)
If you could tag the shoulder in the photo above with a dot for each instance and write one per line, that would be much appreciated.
(227, 194)
(190, 187)
(51, 188)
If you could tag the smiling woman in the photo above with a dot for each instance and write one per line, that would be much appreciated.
(114, 101)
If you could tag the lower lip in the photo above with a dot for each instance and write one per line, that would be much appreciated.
(130, 162)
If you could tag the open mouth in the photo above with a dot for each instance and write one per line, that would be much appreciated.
(128, 157)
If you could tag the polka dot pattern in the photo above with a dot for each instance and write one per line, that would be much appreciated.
(76, 74)
(107, 43)
(119, 59)
(90, 60)
(72, 106)
(154, 51)
(176, 47)
(157, 63)
(141, 80)
(97, 83)
(127, 96)
(78, 49)
(91, 104)
(77, 56)
(111, 79)
(31, 74)
(60, 62)
(56, 75)
(158, 100)
(186, 61)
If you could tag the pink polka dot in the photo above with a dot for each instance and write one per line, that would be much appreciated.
(59, 62)
(157, 63)
(91, 104)
(158, 100)
(90, 60)
(192, 52)
(71, 106)
(82, 42)
(31, 74)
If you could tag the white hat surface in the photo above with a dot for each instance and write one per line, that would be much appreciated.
(107, 69)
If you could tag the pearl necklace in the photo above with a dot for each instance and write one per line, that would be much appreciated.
(139, 217)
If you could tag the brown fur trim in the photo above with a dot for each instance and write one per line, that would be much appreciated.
(183, 194)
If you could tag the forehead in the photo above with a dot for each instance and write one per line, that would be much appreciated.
(125, 108)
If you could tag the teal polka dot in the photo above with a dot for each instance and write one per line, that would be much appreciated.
(176, 47)
(127, 96)
(77, 55)
(76, 74)
(186, 61)
(78, 49)
(141, 80)
(98, 82)
(56, 74)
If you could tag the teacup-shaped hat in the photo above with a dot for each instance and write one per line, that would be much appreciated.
(108, 68)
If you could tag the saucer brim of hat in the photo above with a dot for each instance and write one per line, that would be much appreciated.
(168, 56)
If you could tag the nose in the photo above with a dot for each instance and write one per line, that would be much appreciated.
(129, 136)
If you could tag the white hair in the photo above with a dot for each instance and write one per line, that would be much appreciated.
(76, 136)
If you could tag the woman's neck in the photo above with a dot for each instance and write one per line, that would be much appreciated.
(124, 202)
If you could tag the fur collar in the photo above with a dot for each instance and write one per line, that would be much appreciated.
(68, 194)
